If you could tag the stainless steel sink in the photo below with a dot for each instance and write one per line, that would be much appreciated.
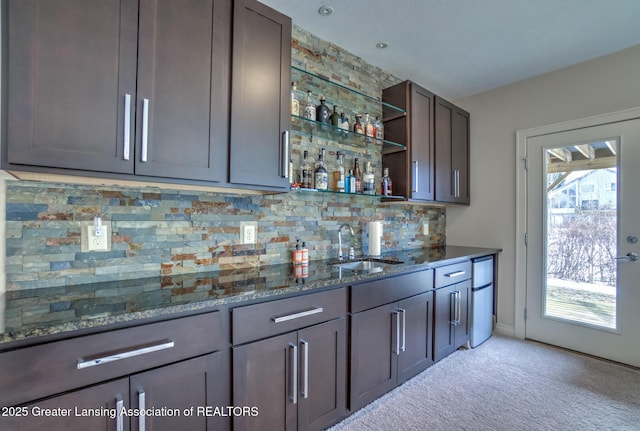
(365, 264)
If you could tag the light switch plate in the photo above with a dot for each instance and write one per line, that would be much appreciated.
(248, 232)
(425, 228)
(91, 242)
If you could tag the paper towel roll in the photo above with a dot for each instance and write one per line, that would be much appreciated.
(375, 237)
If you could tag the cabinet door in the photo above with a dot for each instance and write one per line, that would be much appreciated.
(443, 332)
(183, 81)
(452, 153)
(374, 350)
(261, 78)
(461, 330)
(421, 147)
(417, 321)
(95, 408)
(322, 377)
(196, 383)
(71, 64)
(265, 376)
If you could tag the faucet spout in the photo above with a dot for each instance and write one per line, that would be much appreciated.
(340, 238)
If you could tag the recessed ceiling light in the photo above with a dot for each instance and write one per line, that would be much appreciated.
(325, 10)
(382, 45)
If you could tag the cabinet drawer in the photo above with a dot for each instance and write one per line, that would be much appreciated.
(46, 369)
(254, 322)
(450, 274)
(374, 293)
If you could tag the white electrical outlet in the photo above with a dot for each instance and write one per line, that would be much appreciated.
(248, 232)
(92, 242)
(425, 228)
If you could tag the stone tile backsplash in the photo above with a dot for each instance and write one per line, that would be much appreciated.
(160, 231)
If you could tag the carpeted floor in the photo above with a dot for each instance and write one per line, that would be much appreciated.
(507, 384)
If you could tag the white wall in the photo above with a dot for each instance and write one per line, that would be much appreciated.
(606, 84)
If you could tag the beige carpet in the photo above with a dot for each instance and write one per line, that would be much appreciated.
(508, 384)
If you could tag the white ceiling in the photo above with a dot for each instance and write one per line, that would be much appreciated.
(457, 48)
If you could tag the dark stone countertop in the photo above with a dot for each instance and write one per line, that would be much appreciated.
(33, 313)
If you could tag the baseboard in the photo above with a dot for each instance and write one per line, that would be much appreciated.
(506, 330)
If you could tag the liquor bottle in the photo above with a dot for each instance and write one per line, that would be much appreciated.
(295, 103)
(344, 124)
(309, 109)
(358, 177)
(368, 126)
(321, 176)
(386, 188)
(305, 175)
(338, 174)
(368, 180)
(334, 119)
(379, 129)
(322, 111)
(350, 183)
(357, 126)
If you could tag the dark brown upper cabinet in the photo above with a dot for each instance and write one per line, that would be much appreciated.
(71, 83)
(148, 88)
(183, 89)
(435, 165)
(412, 169)
(261, 81)
(452, 153)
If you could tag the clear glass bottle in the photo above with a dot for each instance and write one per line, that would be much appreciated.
(306, 175)
(358, 176)
(386, 186)
(357, 126)
(344, 124)
(338, 174)
(295, 103)
(368, 180)
(379, 129)
(322, 111)
(367, 125)
(309, 108)
(321, 175)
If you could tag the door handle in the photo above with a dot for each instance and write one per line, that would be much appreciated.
(397, 314)
(415, 177)
(305, 371)
(631, 257)
(285, 155)
(403, 345)
(145, 129)
(119, 417)
(294, 373)
(127, 127)
(142, 401)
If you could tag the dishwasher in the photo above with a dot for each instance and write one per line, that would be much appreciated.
(481, 300)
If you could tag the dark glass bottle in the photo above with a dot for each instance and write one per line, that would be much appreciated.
(321, 174)
(322, 111)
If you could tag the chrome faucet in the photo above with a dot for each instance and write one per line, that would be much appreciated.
(351, 252)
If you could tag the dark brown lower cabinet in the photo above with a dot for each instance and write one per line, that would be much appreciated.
(296, 380)
(65, 412)
(451, 323)
(389, 344)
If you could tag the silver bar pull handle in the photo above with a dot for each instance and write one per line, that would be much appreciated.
(145, 129)
(452, 309)
(280, 319)
(285, 155)
(119, 418)
(455, 274)
(142, 420)
(457, 295)
(403, 346)
(415, 177)
(631, 257)
(294, 373)
(397, 314)
(126, 147)
(91, 362)
(305, 371)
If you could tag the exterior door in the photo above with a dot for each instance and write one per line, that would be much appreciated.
(583, 201)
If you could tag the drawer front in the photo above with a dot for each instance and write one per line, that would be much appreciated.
(47, 369)
(450, 274)
(375, 293)
(257, 321)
